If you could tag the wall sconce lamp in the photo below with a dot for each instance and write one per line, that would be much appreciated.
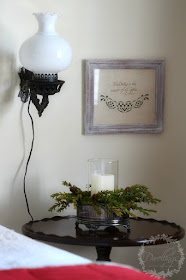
(43, 56)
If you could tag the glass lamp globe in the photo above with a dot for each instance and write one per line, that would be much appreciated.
(45, 52)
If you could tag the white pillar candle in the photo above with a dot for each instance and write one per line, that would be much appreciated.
(100, 182)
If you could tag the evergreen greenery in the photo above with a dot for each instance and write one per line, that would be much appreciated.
(121, 201)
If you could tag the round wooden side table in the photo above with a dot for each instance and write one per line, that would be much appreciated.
(65, 231)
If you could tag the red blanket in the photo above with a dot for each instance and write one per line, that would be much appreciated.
(79, 272)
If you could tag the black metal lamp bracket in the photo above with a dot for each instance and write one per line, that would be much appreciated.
(32, 85)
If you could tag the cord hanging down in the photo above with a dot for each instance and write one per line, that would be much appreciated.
(31, 149)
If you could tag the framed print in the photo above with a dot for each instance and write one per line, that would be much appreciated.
(124, 96)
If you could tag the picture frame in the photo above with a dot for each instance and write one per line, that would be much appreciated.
(124, 96)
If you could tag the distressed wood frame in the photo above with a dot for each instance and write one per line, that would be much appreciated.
(156, 127)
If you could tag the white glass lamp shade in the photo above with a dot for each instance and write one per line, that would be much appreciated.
(45, 52)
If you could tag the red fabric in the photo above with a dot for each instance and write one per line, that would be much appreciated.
(79, 272)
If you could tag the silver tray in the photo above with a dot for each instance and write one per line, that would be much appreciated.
(88, 216)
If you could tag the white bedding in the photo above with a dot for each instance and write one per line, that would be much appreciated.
(18, 251)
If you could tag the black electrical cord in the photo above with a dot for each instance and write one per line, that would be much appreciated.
(31, 149)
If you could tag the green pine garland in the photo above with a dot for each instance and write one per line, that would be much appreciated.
(120, 201)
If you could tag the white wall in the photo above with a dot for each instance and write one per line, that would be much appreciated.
(108, 29)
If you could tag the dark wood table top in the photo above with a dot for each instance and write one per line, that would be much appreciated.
(64, 230)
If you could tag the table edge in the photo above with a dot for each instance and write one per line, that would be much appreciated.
(72, 241)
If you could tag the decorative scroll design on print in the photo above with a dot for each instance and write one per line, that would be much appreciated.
(124, 107)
